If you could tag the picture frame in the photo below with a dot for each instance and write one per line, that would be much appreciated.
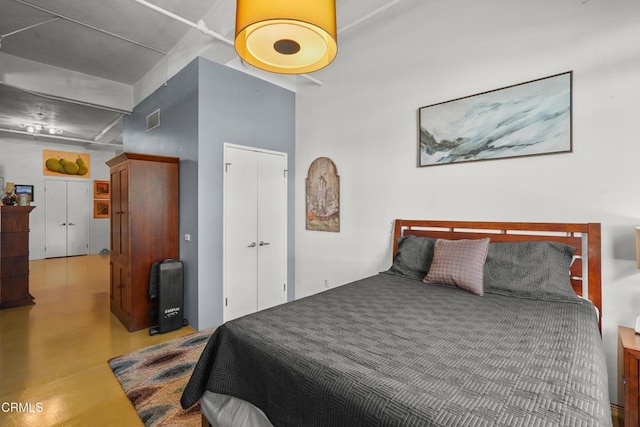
(67, 164)
(322, 196)
(101, 208)
(101, 189)
(526, 119)
(24, 189)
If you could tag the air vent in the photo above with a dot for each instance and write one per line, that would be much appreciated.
(153, 120)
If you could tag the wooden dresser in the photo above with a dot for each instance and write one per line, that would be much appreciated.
(144, 229)
(14, 256)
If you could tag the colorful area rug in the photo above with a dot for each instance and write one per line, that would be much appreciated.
(154, 377)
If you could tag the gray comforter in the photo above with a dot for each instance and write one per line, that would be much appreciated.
(391, 351)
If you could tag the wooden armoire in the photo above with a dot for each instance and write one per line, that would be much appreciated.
(144, 229)
(14, 256)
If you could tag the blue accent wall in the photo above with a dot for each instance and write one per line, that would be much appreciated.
(240, 109)
(202, 107)
(177, 136)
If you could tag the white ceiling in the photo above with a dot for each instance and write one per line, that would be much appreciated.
(117, 40)
(68, 44)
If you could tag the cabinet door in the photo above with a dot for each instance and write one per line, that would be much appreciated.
(116, 288)
(115, 212)
(272, 230)
(631, 387)
(124, 212)
(120, 289)
(119, 211)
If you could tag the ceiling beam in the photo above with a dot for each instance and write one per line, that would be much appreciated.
(202, 27)
(368, 16)
(3, 36)
(84, 24)
(108, 127)
(60, 137)
(72, 101)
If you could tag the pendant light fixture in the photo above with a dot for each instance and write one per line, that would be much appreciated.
(286, 36)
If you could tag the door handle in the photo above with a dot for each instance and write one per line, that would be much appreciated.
(71, 223)
(264, 243)
(252, 245)
(64, 223)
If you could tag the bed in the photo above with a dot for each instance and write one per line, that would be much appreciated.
(523, 349)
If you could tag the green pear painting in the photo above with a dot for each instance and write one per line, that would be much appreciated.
(65, 163)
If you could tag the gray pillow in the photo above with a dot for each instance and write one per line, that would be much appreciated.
(532, 269)
(414, 256)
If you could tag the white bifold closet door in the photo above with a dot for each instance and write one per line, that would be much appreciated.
(67, 210)
(255, 230)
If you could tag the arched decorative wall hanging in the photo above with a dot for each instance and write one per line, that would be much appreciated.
(323, 196)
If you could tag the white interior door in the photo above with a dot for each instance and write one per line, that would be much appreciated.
(272, 230)
(77, 218)
(240, 233)
(67, 210)
(55, 205)
(255, 230)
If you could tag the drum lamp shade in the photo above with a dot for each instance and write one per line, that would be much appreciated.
(286, 36)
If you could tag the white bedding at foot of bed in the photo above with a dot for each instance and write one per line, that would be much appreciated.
(226, 411)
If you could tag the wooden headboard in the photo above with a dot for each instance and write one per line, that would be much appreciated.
(581, 236)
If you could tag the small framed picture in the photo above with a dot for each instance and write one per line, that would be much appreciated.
(101, 189)
(101, 208)
(24, 189)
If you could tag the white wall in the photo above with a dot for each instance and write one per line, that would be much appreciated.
(21, 163)
(364, 117)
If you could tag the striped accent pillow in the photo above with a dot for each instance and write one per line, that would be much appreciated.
(459, 263)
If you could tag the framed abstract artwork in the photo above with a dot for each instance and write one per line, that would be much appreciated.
(526, 119)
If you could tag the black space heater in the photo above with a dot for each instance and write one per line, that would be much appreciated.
(167, 287)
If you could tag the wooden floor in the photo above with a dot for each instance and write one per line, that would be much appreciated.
(53, 355)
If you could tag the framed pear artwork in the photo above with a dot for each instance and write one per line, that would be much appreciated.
(66, 164)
